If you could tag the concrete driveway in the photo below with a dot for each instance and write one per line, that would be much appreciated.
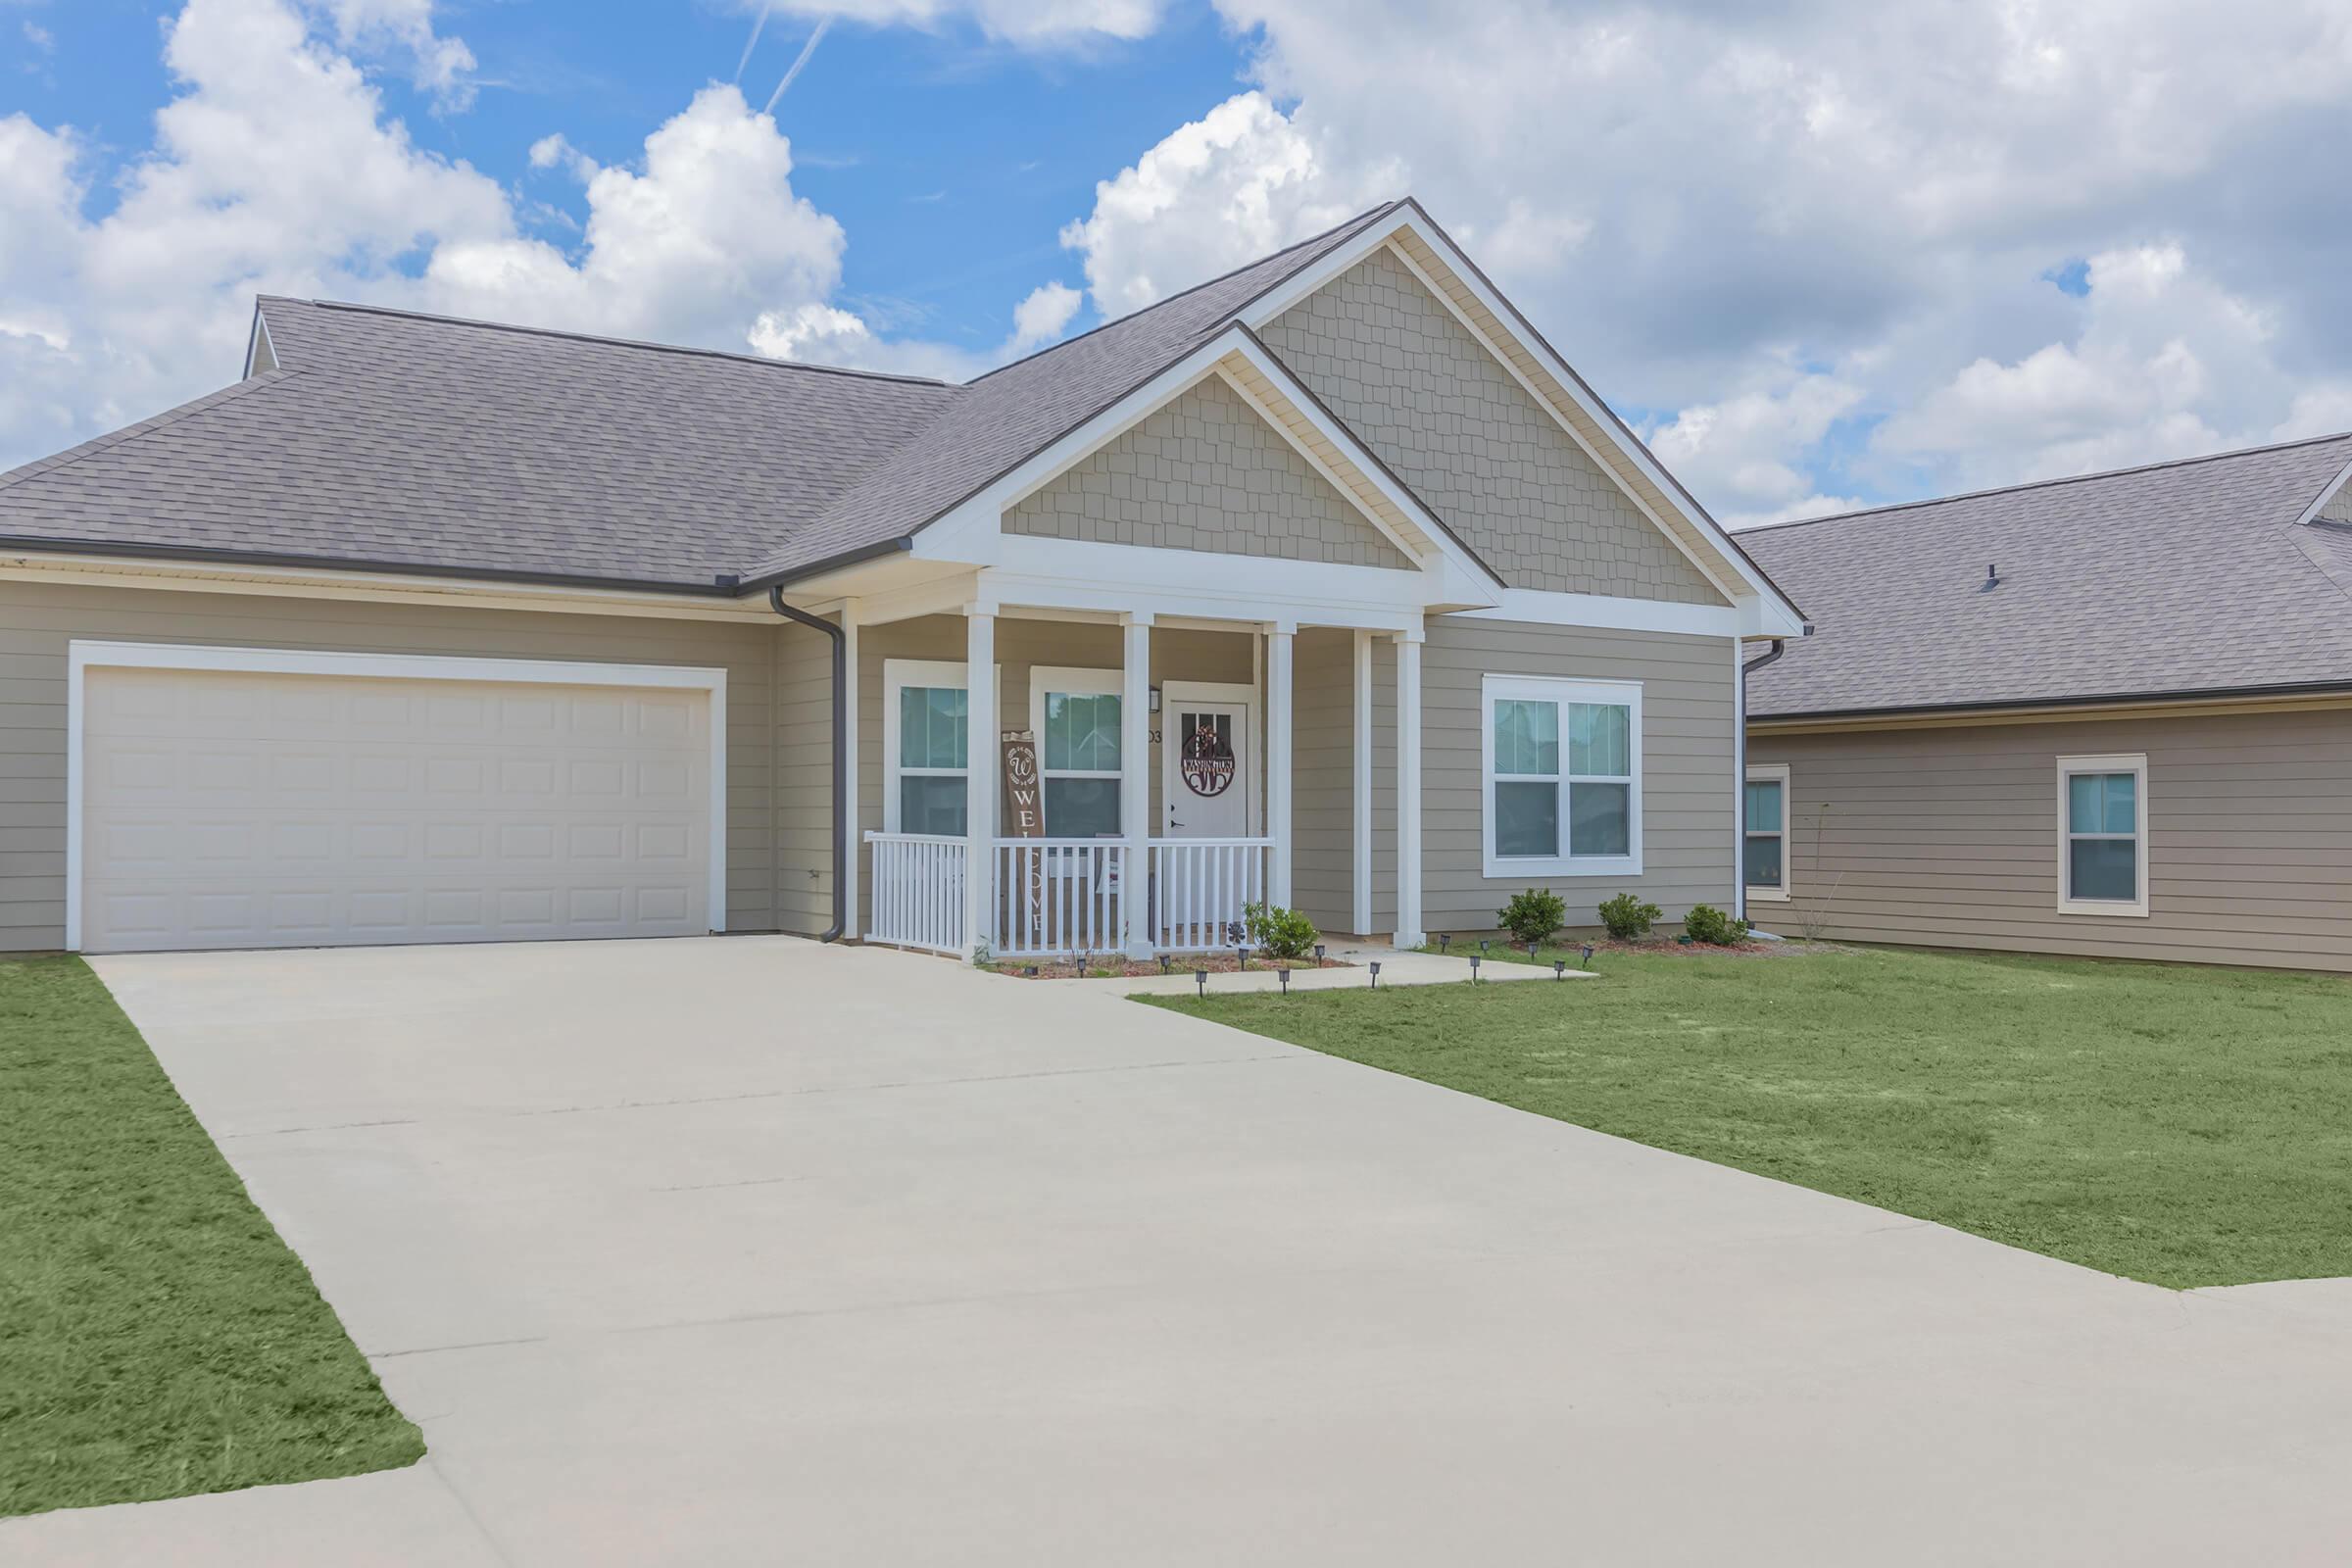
(746, 1251)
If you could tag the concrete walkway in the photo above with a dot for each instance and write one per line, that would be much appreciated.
(750, 1251)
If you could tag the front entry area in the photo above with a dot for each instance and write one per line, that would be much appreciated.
(262, 799)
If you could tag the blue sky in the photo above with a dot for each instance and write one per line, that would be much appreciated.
(1823, 253)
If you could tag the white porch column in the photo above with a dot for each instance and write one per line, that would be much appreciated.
(854, 919)
(984, 758)
(1408, 789)
(1359, 876)
(1135, 784)
(1281, 637)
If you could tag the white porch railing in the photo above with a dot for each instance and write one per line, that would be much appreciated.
(1199, 887)
(1057, 896)
(1054, 897)
(917, 890)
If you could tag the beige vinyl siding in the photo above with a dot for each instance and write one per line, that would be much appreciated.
(1688, 796)
(38, 619)
(1177, 654)
(1420, 391)
(801, 697)
(1323, 791)
(1948, 837)
(1205, 473)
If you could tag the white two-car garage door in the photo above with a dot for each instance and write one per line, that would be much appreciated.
(251, 809)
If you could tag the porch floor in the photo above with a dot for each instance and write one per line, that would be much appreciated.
(1396, 969)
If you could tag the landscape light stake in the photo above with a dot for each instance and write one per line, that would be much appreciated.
(1445, 941)
(1243, 953)
(1474, 969)
(1284, 973)
(1374, 966)
(1481, 944)
(1030, 970)
(1319, 953)
(1166, 963)
(1587, 955)
(1559, 968)
(1201, 979)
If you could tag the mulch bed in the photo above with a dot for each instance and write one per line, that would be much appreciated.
(1110, 968)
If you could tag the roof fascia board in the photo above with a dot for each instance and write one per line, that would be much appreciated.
(2327, 492)
(82, 566)
(1748, 578)
(2178, 705)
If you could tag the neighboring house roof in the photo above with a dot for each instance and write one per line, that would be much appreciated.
(2207, 576)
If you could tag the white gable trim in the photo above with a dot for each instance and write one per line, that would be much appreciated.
(973, 532)
(1778, 615)
(2327, 493)
(258, 343)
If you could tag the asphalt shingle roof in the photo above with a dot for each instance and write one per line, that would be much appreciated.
(388, 439)
(2190, 576)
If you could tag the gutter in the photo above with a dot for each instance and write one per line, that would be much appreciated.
(841, 755)
(2040, 705)
(1779, 646)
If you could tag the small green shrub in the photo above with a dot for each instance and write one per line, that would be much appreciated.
(1707, 923)
(1533, 915)
(1280, 933)
(1628, 917)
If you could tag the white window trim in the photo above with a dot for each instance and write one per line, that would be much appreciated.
(1550, 689)
(82, 657)
(1768, 773)
(2133, 763)
(897, 673)
(1071, 681)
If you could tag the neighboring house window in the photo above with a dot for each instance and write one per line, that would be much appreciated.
(927, 748)
(2103, 835)
(1563, 777)
(1075, 714)
(1766, 830)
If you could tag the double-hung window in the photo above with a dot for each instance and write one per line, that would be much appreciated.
(1563, 776)
(2103, 835)
(927, 748)
(1764, 833)
(1076, 714)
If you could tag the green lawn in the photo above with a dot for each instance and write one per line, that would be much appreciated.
(2177, 1125)
(157, 1338)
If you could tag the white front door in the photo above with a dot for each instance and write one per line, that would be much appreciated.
(1207, 784)
(1205, 771)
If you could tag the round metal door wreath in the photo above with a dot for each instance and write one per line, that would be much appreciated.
(1206, 766)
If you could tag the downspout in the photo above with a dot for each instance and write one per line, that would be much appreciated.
(1779, 646)
(841, 755)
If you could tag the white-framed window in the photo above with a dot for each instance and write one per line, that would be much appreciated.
(1562, 766)
(1075, 716)
(2103, 835)
(1764, 843)
(926, 747)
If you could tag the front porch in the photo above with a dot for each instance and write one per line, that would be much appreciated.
(1144, 786)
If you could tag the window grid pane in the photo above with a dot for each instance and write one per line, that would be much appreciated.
(932, 726)
(1764, 806)
(1601, 740)
(2103, 868)
(1599, 819)
(1764, 862)
(1526, 821)
(1082, 732)
(1527, 737)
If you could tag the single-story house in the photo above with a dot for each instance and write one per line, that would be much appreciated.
(1326, 582)
(2108, 715)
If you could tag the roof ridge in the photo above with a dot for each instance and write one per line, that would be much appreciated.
(1364, 217)
(645, 344)
(40, 466)
(2046, 484)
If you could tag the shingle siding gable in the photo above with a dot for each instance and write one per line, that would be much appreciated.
(1205, 473)
(1420, 391)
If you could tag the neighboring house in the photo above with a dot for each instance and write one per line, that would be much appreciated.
(1326, 581)
(2107, 715)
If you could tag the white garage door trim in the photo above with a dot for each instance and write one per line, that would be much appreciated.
(83, 657)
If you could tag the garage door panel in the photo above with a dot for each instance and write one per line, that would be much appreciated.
(234, 809)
